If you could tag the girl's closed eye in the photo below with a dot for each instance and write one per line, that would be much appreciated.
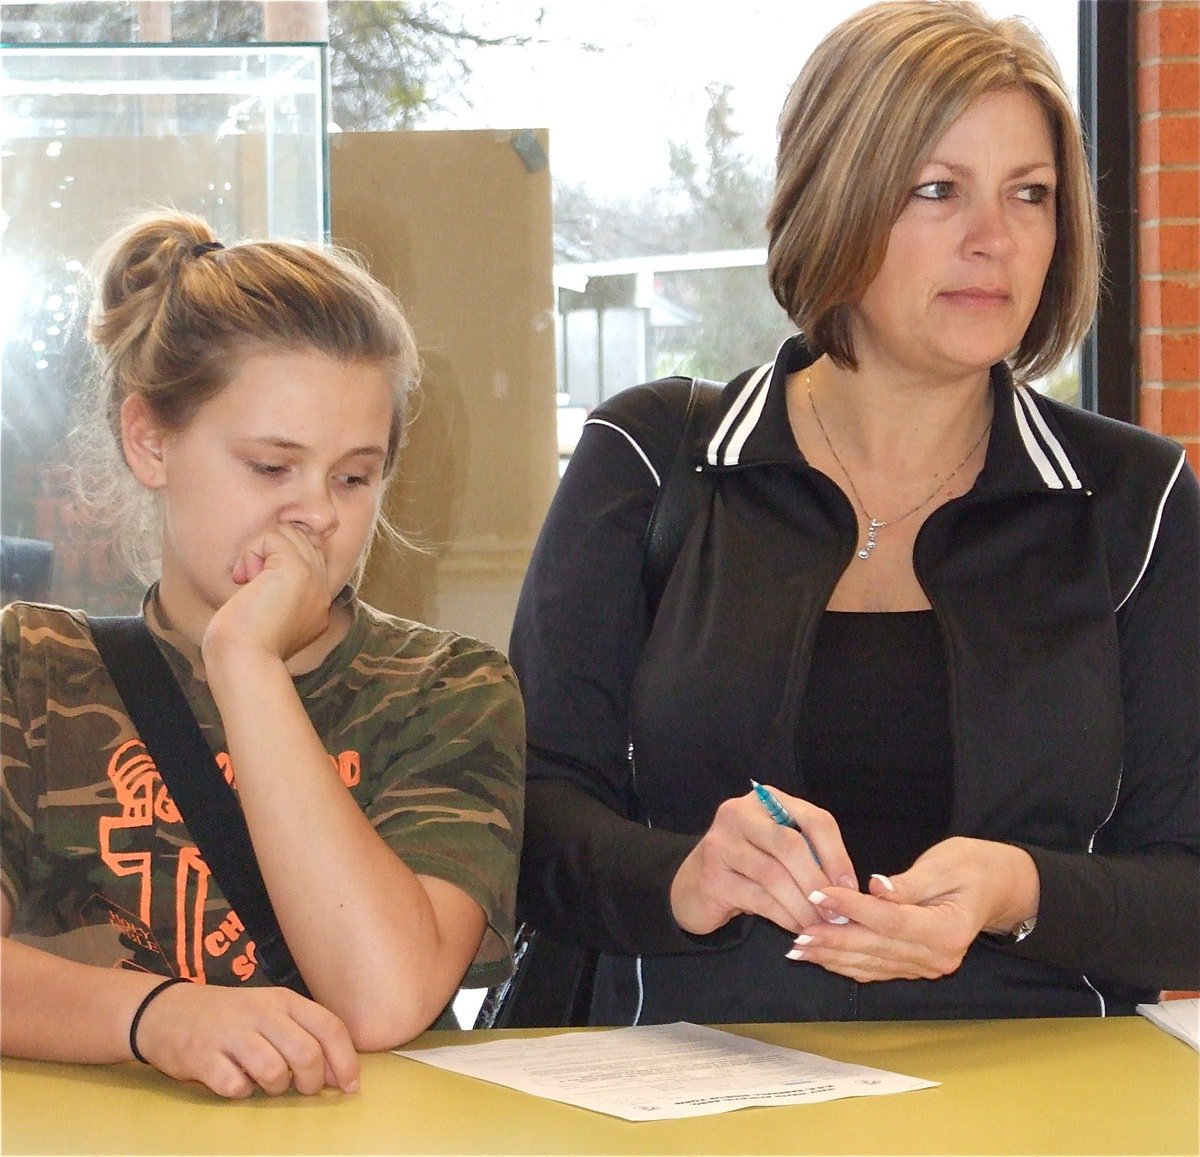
(267, 469)
(361, 472)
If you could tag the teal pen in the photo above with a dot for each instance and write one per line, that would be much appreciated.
(779, 814)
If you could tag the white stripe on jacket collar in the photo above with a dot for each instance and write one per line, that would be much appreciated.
(1046, 452)
(1043, 448)
(744, 413)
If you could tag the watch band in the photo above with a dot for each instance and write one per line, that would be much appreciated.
(1013, 935)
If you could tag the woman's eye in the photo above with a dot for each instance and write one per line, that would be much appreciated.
(1035, 194)
(934, 190)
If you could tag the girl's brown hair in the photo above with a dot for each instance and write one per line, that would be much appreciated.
(174, 311)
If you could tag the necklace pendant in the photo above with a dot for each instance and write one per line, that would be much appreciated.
(873, 529)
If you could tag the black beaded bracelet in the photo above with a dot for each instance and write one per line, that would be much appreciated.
(141, 1009)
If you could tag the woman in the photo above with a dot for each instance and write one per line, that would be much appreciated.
(252, 402)
(952, 625)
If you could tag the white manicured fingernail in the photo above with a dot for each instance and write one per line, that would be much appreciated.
(803, 938)
(884, 881)
(796, 954)
(818, 898)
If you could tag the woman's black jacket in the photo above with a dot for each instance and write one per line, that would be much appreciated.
(1066, 584)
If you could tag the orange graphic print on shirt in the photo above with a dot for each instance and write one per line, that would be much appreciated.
(128, 845)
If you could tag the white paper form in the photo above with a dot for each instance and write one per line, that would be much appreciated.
(1180, 1018)
(661, 1072)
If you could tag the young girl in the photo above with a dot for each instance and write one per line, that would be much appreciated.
(257, 397)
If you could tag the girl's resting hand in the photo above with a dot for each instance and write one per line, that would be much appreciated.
(233, 1040)
(283, 601)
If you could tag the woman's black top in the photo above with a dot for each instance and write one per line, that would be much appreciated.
(874, 744)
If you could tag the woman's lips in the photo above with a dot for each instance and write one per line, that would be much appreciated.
(976, 295)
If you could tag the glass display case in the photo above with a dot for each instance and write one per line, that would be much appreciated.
(89, 135)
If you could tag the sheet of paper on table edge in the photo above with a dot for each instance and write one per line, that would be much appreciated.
(1181, 1018)
(500, 1062)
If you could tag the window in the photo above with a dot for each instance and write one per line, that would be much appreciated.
(91, 134)
(662, 137)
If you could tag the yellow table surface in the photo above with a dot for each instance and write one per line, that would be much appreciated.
(1119, 1086)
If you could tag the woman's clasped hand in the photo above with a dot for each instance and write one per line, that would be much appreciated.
(914, 925)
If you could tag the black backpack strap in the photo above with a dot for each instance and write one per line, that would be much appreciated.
(553, 979)
(208, 804)
(679, 495)
(551, 985)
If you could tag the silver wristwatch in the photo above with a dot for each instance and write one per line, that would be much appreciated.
(1013, 935)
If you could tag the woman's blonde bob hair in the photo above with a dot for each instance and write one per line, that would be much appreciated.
(862, 118)
(173, 314)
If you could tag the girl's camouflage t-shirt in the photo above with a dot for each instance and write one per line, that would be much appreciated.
(424, 727)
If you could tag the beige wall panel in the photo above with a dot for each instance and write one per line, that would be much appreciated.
(460, 227)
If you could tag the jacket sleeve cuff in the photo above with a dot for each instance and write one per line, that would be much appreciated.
(591, 876)
(1074, 908)
(644, 886)
(1128, 918)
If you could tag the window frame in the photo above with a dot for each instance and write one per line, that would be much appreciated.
(1109, 370)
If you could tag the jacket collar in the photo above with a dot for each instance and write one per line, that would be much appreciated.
(1026, 451)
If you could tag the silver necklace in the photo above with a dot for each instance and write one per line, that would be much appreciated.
(874, 525)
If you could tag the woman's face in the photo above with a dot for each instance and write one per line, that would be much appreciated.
(295, 437)
(968, 255)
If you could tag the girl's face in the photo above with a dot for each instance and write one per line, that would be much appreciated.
(295, 437)
(968, 256)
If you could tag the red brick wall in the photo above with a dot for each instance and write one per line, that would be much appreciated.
(1168, 55)
(1168, 52)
